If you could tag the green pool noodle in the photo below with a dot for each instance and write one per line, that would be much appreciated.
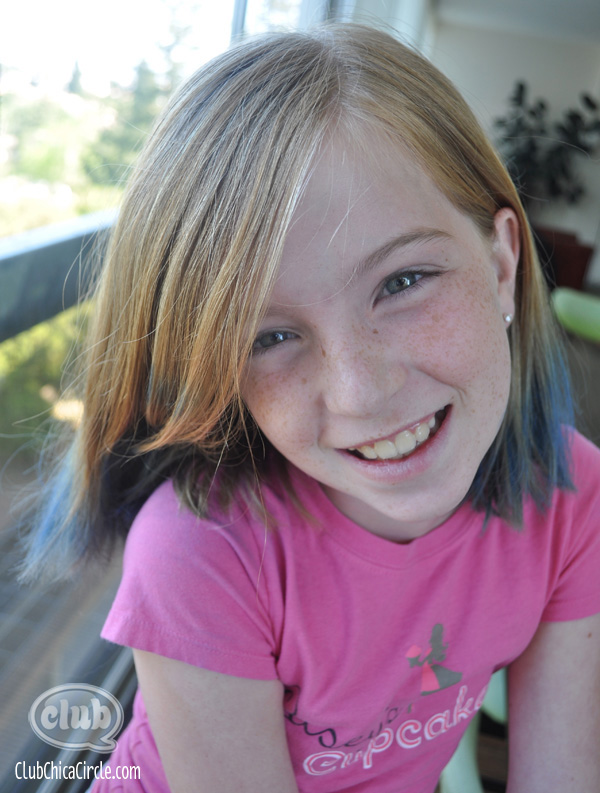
(578, 312)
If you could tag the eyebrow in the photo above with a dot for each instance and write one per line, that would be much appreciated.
(401, 241)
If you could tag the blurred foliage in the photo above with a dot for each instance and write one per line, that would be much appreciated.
(75, 86)
(47, 205)
(32, 366)
(108, 159)
(70, 155)
(47, 137)
(42, 133)
(540, 152)
(30, 212)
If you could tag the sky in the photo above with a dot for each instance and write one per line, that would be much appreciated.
(108, 38)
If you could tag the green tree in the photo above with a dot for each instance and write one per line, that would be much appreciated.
(39, 151)
(74, 86)
(178, 44)
(108, 159)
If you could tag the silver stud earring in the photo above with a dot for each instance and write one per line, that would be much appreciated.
(507, 318)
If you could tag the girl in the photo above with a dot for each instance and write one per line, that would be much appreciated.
(324, 384)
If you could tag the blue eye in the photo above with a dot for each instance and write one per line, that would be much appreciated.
(401, 282)
(271, 339)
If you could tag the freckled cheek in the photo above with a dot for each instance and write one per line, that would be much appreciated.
(466, 345)
(279, 407)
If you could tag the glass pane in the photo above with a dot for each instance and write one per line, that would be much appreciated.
(264, 15)
(80, 89)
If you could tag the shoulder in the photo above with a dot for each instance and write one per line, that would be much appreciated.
(169, 538)
(208, 592)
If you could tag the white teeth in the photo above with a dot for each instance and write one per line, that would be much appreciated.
(385, 450)
(422, 432)
(404, 442)
(368, 452)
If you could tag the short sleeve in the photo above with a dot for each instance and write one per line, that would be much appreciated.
(191, 591)
(576, 539)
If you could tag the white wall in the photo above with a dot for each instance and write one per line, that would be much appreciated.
(410, 19)
(485, 64)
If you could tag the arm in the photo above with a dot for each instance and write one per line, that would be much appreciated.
(554, 710)
(215, 732)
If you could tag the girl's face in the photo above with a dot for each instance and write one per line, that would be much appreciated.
(382, 366)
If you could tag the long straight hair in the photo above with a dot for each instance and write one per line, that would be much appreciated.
(193, 258)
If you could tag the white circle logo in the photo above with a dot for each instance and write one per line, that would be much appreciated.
(77, 716)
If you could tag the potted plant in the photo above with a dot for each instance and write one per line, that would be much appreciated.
(541, 156)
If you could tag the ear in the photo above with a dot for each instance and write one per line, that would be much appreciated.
(506, 250)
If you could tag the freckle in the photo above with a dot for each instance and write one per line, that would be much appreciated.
(304, 381)
(323, 353)
(589, 635)
(375, 330)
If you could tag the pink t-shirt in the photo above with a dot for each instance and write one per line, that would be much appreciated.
(385, 650)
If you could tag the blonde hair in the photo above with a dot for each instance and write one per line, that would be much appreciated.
(197, 244)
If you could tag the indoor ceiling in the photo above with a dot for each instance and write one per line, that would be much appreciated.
(560, 18)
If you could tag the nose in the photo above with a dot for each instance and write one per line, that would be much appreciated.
(360, 376)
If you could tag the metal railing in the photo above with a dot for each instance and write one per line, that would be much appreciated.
(43, 272)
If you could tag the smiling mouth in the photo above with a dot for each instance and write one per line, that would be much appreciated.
(404, 443)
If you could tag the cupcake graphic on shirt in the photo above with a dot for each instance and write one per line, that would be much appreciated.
(434, 676)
